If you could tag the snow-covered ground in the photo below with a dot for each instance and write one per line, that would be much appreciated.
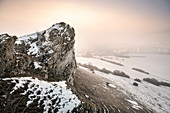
(152, 96)
(156, 64)
(53, 95)
(102, 64)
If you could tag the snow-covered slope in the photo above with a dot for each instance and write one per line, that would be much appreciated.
(102, 64)
(157, 64)
(153, 97)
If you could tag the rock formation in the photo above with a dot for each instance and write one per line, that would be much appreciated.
(48, 54)
(7, 45)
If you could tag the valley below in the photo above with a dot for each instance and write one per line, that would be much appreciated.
(145, 88)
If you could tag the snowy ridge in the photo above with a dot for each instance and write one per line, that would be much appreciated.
(52, 95)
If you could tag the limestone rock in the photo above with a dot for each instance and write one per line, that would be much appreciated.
(48, 54)
(7, 53)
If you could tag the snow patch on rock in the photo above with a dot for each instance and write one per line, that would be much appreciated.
(50, 94)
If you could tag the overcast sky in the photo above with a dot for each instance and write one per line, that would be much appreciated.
(97, 22)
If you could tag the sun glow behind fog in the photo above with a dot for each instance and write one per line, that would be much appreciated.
(96, 23)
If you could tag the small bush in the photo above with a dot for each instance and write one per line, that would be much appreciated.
(138, 80)
(165, 84)
(92, 70)
(152, 81)
(105, 71)
(156, 82)
(120, 73)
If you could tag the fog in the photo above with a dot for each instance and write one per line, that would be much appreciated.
(98, 23)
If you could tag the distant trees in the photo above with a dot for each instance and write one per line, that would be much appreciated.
(156, 82)
(104, 70)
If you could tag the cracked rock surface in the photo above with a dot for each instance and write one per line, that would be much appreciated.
(48, 54)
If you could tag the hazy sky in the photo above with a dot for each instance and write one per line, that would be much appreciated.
(97, 22)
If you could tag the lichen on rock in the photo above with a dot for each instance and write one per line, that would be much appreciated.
(48, 54)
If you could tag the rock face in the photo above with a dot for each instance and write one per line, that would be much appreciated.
(7, 44)
(48, 54)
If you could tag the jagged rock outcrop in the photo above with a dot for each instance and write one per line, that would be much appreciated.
(7, 44)
(48, 54)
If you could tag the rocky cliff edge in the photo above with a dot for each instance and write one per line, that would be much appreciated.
(48, 54)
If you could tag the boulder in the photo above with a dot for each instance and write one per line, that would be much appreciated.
(48, 54)
(135, 84)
